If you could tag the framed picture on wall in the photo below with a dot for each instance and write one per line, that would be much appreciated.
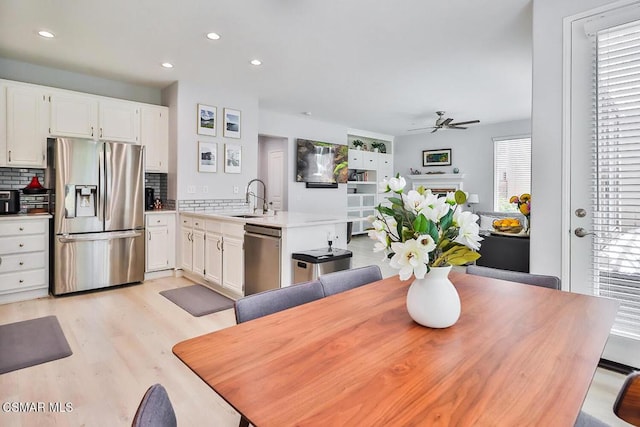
(436, 157)
(207, 120)
(232, 158)
(231, 123)
(207, 157)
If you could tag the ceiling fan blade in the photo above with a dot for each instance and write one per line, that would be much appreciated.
(456, 127)
(435, 130)
(464, 123)
(447, 122)
(428, 127)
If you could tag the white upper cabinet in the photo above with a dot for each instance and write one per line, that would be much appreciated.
(86, 116)
(154, 135)
(27, 126)
(119, 121)
(74, 115)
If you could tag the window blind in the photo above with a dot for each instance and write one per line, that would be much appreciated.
(512, 171)
(615, 180)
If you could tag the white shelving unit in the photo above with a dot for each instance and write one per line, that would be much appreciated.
(370, 168)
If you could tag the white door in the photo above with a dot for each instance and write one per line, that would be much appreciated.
(186, 249)
(198, 251)
(600, 262)
(27, 123)
(157, 248)
(233, 264)
(275, 180)
(213, 258)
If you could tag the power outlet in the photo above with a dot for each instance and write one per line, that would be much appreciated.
(236, 189)
(205, 188)
(191, 189)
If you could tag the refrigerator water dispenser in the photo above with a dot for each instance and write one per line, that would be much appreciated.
(81, 200)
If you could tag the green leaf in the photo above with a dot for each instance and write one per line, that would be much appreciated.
(447, 220)
(460, 197)
(432, 230)
(385, 210)
(395, 201)
(420, 224)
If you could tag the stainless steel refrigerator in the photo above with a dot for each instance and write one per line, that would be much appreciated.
(98, 222)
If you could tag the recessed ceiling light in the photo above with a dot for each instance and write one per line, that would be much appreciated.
(213, 36)
(256, 62)
(46, 34)
(167, 65)
(307, 113)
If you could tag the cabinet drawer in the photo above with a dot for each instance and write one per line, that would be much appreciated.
(214, 226)
(20, 262)
(186, 221)
(20, 244)
(17, 228)
(233, 229)
(26, 279)
(157, 220)
(198, 223)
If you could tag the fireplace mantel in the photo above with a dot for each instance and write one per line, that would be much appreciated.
(442, 182)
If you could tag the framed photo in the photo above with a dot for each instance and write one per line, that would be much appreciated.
(207, 157)
(436, 157)
(231, 123)
(232, 158)
(207, 120)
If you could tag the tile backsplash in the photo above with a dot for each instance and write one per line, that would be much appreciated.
(213, 205)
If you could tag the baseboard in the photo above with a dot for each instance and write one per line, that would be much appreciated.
(616, 367)
(158, 274)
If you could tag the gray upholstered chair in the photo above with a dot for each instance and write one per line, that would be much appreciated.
(516, 276)
(155, 409)
(343, 280)
(258, 305)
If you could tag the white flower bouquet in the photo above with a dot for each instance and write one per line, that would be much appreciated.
(421, 230)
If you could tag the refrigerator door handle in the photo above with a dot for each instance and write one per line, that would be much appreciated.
(101, 186)
(68, 238)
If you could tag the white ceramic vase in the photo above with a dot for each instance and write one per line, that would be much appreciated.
(434, 301)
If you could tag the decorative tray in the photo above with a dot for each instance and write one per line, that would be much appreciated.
(504, 233)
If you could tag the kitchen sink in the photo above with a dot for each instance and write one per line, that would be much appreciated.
(246, 216)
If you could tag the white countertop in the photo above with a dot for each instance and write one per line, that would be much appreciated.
(26, 216)
(159, 211)
(282, 219)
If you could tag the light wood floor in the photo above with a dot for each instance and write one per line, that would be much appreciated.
(121, 341)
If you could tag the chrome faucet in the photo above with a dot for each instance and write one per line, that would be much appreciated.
(265, 208)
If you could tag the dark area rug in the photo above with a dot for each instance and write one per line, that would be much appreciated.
(31, 342)
(198, 300)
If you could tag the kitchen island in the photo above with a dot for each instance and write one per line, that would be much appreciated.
(212, 244)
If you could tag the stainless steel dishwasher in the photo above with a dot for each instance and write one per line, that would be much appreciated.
(262, 258)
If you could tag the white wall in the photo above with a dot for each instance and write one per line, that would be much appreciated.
(332, 201)
(183, 99)
(546, 129)
(471, 152)
(37, 74)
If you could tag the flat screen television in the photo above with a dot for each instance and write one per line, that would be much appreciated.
(321, 162)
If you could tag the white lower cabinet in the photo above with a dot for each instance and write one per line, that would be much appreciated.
(213, 250)
(24, 258)
(160, 228)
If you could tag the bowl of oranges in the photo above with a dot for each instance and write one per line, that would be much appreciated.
(508, 225)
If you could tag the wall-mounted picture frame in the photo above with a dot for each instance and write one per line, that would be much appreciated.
(231, 123)
(232, 158)
(436, 157)
(207, 120)
(207, 156)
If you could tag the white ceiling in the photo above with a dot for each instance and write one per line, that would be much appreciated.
(382, 66)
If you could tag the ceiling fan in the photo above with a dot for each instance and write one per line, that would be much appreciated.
(442, 123)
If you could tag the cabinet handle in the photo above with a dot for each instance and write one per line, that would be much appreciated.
(21, 263)
(21, 229)
(149, 236)
(218, 244)
(91, 130)
(21, 245)
(158, 221)
(0, 260)
(9, 155)
(100, 132)
(21, 281)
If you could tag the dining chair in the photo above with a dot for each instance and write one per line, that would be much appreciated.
(155, 409)
(626, 406)
(268, 302)
(343, 280)
(515, 276)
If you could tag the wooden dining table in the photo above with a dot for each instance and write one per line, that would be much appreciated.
(519, 355)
